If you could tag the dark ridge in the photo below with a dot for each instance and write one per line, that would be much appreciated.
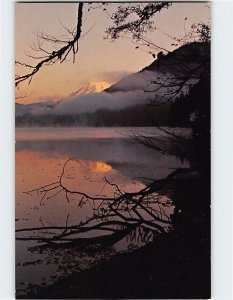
(188, 53)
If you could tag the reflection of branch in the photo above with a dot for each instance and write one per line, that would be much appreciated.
(117, 215)
(166, 142)
(49, 57)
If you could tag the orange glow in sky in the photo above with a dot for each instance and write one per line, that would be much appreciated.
(98, 59)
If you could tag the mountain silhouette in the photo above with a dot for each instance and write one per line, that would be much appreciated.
(91, 104)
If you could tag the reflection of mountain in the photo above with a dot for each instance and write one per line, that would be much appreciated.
(95, 166)
(123, 103)
(130, 159)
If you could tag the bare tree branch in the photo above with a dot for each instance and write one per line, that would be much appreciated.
(123, 24)
(119, 215)
(55, 56)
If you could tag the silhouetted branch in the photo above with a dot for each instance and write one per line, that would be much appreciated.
(182, 74)
(118, 215)
(142, 13)
(168, 142)
(51, 57)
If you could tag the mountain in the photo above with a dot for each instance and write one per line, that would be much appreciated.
(98, 104)
(133, 82)
(89, 88)
(45, 107)
(174, 64)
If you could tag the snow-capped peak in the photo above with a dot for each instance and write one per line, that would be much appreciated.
(90, 88)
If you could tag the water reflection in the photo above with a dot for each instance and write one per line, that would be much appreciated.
(124, 155)
(103, 168)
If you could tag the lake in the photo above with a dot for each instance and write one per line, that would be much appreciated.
(99, 162)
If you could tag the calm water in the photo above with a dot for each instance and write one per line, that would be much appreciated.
(95, 154)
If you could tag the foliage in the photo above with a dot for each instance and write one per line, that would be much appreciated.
(134, 19)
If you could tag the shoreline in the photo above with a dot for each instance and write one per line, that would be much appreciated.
(176, 265)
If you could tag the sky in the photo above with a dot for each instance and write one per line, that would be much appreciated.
(98, 59)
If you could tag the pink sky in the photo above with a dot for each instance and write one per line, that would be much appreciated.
(98, 59)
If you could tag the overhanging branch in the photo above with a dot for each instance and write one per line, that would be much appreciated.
(59, 55)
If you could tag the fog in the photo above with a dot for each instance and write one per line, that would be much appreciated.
(137, 81)
(90, 103)
(128, 92)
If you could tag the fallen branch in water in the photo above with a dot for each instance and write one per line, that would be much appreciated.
(117, 216)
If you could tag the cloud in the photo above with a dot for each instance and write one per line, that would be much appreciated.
(137, 81)
(90, 103)
(126, 93)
